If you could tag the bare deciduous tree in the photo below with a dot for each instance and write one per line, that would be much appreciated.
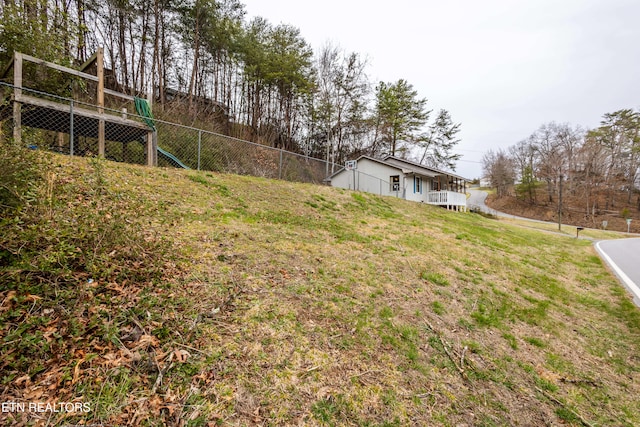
(498, 169)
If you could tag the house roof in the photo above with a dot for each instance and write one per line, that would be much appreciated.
(406, 167)
(373, 159)
(419, 167)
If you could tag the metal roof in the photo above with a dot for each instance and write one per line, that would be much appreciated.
(407, 166)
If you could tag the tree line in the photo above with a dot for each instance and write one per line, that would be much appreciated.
(595, 165)
(270, 84)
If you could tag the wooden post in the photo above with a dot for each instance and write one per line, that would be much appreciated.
(101, 136)
(17, 95)
(155, 148)
(152, 138)
(152, 148)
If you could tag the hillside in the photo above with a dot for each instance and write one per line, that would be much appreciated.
(573, 212)
(168, 297)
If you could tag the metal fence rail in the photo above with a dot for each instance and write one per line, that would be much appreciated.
(204, 150)
(71, 127)
(361, 181)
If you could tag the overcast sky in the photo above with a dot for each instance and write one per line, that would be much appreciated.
(500, 67)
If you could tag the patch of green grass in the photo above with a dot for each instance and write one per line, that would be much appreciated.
(108, 396)
(438, 307)
(386, 313)
(466, 325)
(536, 314)
(199, 179)
(513, 342)
(536, 342)
(546, 285)
(567, 415)
(331, 410)
(492, 311)
(435, 278)
(472, 346)
(559, 364)
(376, 206)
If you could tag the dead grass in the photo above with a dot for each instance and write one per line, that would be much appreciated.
(308, 305)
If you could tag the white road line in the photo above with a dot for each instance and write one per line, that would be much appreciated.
(625, 279)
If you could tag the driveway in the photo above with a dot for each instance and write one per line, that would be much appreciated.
(622, 256)
(477, 201)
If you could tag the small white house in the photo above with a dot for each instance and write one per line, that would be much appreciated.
(401, 178)
(485, 182)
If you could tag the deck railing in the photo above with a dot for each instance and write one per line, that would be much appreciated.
(447, 198)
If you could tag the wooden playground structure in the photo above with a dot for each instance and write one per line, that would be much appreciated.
(76, 119)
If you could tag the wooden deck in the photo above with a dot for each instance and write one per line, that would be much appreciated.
(450, 199)
(49, 115)
(69, 118)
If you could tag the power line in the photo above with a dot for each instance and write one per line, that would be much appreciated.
(471, 151)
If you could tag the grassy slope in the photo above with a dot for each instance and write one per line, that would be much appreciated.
(308, 305)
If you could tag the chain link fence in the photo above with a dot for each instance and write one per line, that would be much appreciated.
(361, 181)
(68, 126)
(71, 126)
(204, 150)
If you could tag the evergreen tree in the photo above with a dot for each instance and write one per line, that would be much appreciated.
(400, 114)
(439, 142)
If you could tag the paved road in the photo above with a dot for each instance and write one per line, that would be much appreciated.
(623, 255)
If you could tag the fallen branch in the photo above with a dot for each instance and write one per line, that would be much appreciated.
(453, 360)
(558, 402)
(161, 373)
(578, 382)
(189, 347)
(361, 374)
(464, 350)
(310, 370)
(446, 350)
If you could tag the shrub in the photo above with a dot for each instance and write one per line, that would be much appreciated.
(56, 226)
(20, 173)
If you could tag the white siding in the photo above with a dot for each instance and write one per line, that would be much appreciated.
(343, 179)
(375, 177)
(371, 177)
(414, 193)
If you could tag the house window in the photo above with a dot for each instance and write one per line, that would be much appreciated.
(435, 184)
(417, 184)
(394, 180)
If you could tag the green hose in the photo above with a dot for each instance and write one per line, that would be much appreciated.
(143, 109)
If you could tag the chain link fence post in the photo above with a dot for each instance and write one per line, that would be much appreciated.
(71, 130)
(199, 147)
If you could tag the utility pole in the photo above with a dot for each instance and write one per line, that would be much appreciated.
(560, 204)
(328, 143)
